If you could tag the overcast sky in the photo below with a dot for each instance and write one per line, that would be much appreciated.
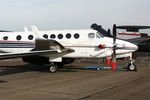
(72, 14)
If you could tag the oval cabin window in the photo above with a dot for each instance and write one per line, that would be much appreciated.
(45, 36)
(68, 35)
(52, 36)
(5, 38)
(60, 36)
(76, 36)
(18, 37)
(30, 37)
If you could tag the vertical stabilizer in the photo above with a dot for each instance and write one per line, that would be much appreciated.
(35, 30)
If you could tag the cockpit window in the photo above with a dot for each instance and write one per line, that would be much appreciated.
(91, 35)
(99, 35)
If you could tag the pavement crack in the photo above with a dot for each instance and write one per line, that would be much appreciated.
(90, 95)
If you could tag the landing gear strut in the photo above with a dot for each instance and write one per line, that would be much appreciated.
(53, 68)
(131, 66)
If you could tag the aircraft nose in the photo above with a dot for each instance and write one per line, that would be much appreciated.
(132, 46)
(135, 47)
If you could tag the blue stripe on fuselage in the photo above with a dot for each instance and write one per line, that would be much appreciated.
(16, 44)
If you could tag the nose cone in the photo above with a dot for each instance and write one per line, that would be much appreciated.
(131, 46)
(134, 47)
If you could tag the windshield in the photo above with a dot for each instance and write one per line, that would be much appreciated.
(99, 35)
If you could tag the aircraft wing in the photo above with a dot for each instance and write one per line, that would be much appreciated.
(46, 48)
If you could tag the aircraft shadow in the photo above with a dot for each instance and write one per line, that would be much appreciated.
(1, 81)
(8, 70)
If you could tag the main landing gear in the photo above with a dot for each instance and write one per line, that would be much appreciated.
(53, 68)
(131, 65)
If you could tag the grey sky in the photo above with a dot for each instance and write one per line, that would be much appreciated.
(72, 14)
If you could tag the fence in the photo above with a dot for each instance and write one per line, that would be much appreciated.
(140, 57)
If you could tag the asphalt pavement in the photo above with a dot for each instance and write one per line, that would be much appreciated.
(21, 81)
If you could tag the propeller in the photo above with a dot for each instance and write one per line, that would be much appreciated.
(102, 46)
(113, 64)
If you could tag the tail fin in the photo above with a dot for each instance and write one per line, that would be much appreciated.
(35, 31)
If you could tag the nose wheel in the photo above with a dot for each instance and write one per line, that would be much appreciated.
(131, 65)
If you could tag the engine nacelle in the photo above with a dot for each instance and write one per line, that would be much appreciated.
(38, 60)
(67, 60)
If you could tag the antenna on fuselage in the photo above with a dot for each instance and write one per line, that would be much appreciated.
(35, 31)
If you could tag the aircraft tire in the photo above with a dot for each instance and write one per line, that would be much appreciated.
(60, 65)
(131, 67)
(52, 68)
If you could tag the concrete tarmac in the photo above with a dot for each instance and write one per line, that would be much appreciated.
(21, 81)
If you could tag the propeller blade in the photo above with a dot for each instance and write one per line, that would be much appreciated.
(114, 33)
(95, 26)
(114, 64)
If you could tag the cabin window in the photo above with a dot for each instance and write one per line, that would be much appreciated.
(18, 37)
(68, 35)
(30, 37)
(52, 36)
(76, 36)
(5, 38)
(91, 35)
(45, 36)
(60, 36)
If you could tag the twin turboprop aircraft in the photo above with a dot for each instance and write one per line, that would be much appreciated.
(58, 47)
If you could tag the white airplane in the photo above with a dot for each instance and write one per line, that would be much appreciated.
(59, 47)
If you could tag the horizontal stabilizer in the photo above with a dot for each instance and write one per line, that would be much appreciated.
(35, 29)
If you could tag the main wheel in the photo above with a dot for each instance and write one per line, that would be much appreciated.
(132, 67)
(60, 65)
(53, 68)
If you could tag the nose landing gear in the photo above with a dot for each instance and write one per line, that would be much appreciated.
(131, 65)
